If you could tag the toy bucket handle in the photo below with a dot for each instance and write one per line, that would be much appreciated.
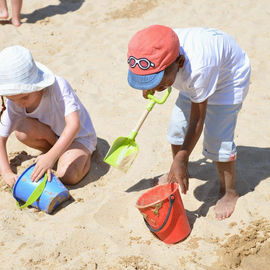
(171, 199)
(163, 99)
(35, 194)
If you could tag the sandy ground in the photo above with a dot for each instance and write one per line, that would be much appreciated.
(100, 228)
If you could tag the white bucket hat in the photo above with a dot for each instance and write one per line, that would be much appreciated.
(20, 74)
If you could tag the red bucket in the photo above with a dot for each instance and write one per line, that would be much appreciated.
(164, 213)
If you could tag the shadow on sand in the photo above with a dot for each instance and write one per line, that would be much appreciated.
(4, 22)
(17, 161)
(63, 7)
(252, 167)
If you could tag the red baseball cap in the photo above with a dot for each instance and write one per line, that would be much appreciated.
(150, 51)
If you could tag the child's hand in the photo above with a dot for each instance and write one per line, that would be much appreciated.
(10, 178)
(43, 164)
(146, 92)
(179, 172)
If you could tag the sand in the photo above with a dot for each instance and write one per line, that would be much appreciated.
(100, 227)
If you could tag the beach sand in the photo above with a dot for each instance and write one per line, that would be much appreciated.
(100, 228)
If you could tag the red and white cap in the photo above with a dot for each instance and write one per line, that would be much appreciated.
(150, 51)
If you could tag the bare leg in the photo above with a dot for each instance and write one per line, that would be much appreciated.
(225, 206)
(16, 12)
(164, 178)
(3, 9)
(74, 164)
(35, 134)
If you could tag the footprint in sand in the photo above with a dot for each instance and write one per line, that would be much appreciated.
(113, 214)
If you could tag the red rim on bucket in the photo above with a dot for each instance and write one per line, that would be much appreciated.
(164, 213)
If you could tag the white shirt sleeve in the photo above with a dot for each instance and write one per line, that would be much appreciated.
(203, 83)
(9, 119)
(67, 97)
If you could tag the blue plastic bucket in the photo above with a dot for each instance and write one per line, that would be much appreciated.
(53, 194)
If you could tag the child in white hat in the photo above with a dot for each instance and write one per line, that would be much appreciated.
(45, 113)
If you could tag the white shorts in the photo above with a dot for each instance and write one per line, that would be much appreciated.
(89, 142)
(219, 126)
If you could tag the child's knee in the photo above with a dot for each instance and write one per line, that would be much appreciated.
(21, 136)
(68, 175)
(32, 128)
(72, 174)
(24, 132)
(70, 179)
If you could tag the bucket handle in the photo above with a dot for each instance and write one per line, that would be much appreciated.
(35, 194)
(171, 199)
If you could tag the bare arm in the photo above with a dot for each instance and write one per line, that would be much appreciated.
(178, 171)
(46, 162)
(69, 133)
(5, 169)
(195, 127)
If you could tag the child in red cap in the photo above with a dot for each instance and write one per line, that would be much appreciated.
(212, 73)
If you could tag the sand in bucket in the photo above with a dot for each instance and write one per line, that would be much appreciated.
(53, 194)
(164, 213)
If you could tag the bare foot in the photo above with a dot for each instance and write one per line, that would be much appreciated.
(162, 180)
(16, 22)
(225, 206)
(3, 15)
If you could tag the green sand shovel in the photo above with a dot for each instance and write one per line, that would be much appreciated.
(124, 149)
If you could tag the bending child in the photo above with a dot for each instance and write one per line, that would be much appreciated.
(212, 73)
(45, 114)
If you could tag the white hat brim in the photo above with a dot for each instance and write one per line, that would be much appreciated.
(45, 79)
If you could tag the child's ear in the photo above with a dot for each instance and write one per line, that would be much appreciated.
(181, 60)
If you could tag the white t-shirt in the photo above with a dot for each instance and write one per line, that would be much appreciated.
(58, 101)
(216, 68)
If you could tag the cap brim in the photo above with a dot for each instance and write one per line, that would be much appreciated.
(144, 82)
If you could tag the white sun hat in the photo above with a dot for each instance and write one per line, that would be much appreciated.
(20, 74)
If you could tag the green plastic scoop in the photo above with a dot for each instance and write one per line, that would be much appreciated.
(124, 149)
